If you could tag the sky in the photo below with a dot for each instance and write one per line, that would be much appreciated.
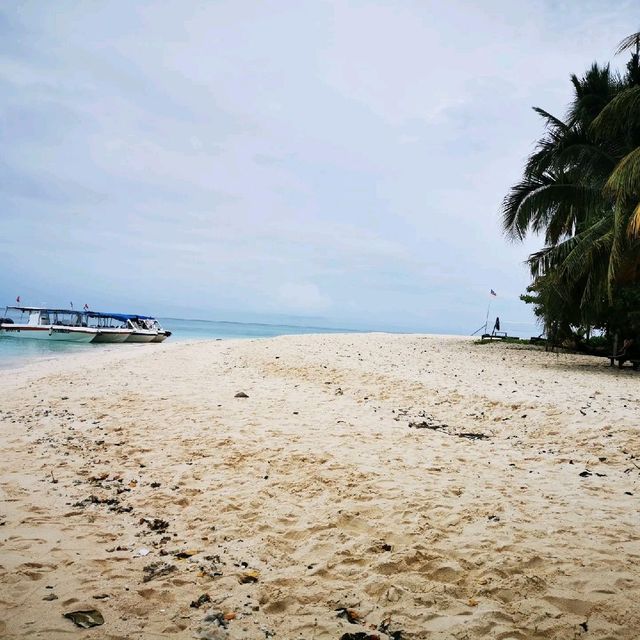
(339, 163)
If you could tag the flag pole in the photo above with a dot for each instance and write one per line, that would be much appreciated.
(486, 322)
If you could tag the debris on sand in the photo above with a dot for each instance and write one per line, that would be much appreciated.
(157, 524)
(85, 619)
(241, 394)
(472, 436)
(430, 424)
(93, 499)
(113, 504)
(385, 628)
(352, 616)
(157, 570)
(203, 599)
(212, 569)
(214, 626)
(249, 576)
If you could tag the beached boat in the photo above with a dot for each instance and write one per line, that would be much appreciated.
(149, 324)
(140, 333)
(46, 324)
(109, 328)
(139, 328)
(162, 334)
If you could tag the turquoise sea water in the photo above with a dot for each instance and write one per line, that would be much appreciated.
(14, 351)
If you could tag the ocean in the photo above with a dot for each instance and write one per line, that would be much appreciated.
(16, 351)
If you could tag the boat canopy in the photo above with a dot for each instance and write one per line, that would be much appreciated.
(47, 309)
(122, 317)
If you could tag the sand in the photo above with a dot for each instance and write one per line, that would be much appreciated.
(314, 494)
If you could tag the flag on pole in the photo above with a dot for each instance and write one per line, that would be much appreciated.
(493, 293)
(86, 307)
(71, 303)
(18, 299)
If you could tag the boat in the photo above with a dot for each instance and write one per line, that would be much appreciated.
(80, 326)
(163, 334)
(109, 328)
(148, 323)
(46, 324)
(139, 328)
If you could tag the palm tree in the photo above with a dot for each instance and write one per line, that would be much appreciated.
(620, 119)
(581, 191)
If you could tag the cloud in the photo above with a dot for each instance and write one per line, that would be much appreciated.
(338, 158)
(302, 298)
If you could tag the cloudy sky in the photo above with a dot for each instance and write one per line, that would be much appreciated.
(341, 162)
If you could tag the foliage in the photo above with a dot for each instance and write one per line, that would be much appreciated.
(508, 340)
(580, 191)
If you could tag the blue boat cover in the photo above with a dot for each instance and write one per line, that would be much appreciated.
(123, 317)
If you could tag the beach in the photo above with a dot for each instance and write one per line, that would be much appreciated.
(396, 486)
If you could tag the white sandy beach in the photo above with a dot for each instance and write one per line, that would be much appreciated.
(314, 494)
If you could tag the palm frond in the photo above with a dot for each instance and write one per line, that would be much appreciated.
(629, 43)
(621, 114)
(594, 293)
(589, 159)
(618, 246)
(551, 120)
(624, 181)
(634, 222)
(551, 204)
(592, 93)
(546, 261)
(586, 246)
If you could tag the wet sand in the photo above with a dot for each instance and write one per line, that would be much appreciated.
(134, 482)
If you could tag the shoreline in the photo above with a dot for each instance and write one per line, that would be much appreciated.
(81, 351)
(15, 363)
(431, 486)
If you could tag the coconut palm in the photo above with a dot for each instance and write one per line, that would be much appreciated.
(581, 191)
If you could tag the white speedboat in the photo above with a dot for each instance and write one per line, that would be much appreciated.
(46, 324)
(109, 328)
(152, 323)
(136, 330)
(146, 329)
(139, 328)
(140, 333)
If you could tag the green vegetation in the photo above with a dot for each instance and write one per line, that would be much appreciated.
(507, 340)
(580, 191)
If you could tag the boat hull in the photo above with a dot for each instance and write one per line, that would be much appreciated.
(142, 336)
(58, 333)
(162, 336)
(111, 336)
